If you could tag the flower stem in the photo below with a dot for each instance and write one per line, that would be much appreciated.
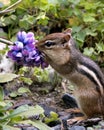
(6, 41)
(10, 8)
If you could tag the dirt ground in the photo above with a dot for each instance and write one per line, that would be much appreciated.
(41, 94)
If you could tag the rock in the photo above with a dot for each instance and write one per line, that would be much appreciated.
(49, 100)
(63, 113)
(54, 123)
(57, 127)
(90, 128)
(47, 109)
(101, 123)
(77, 128)
(30, 128)
(69, 100)
(6, 64)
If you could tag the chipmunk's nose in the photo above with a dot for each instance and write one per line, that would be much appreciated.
(36, 43)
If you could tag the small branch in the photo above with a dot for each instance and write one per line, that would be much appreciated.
(10, 8)
(5, 11)
(6, 41)
(13, 5)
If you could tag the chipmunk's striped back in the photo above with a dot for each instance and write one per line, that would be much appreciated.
(93, 75)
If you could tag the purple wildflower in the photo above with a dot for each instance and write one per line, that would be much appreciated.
(24, 51)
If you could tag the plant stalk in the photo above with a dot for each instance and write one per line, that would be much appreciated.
(2, 40)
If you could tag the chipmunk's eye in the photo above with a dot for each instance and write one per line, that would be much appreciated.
(49, 43)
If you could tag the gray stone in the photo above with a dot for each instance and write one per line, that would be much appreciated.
(57, 127)
(77, 128)
(90, 128)
(30, 128)
(101, 123)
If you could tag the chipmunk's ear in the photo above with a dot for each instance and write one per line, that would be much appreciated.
(66, 38)
(68, 31)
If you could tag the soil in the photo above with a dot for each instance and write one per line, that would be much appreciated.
(49, 99)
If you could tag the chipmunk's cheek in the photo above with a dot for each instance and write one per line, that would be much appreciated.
(58, 57)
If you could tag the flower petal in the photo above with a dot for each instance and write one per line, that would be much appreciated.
(25, 52)
(19, 54)
(29, 40)
(37, 59)
(21, 36)
(44, 65)
(30, 47)
(30, 34)
(19, 44)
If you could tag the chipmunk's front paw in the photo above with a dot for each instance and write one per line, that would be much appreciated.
(76, 120)
(73, 110)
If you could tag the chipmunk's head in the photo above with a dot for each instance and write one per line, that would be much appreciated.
(56, 47)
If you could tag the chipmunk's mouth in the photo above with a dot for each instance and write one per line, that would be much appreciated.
(46, 57)
(43, 55)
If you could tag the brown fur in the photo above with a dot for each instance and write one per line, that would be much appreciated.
(65, 60)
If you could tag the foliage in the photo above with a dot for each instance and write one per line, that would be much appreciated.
(20, 115)
(41, 75)
(85, 17)
(7, 77)
(34, 74)
(53, 117)
(23, 114)
(19, 92)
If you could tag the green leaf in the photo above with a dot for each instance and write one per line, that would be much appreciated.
(26, 21)
(23, 90)
(20, 91)
(90, 32)
(7, 77)
(2, 103)
(4, 106)
(3, 34)
(89, 17)
(41, 75)
(13, 17)
(16, 112)
(53, 117)
(32, 110)
(36, 123)
(80, 36)
(75, 1)
(22, 70)
(1, 94)
(42, 4)
(13, 94)
(42, 15)
(16, 119)
(43, 21)
(88, 51)
(26, 80)
(7, 127)
(25, 111)
(100, 47)
(53, 2)
(76, 29)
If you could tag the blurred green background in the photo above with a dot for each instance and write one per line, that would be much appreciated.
(85, 17)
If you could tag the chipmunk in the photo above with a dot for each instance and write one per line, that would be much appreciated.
(60, 51)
